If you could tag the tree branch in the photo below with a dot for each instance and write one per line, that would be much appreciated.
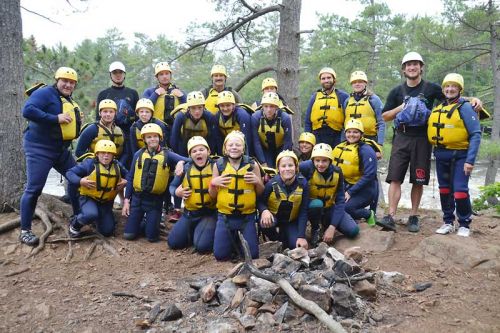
(35, 13)
(252, 75)
(310, 31)
(250, 8)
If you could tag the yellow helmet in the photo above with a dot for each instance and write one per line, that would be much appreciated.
(322, 150)
(269, 82)
(271, 98)
(66, 73)
(107, 104)
(226, 97)
(354, 124)
(196, 141)
(327, 70)
(195, 98)
(308, 137)
(162, 66)
(233, 134)
(454, 78)
(105, 146)
(358, 75)
(218, 69)
(287, 153)
(151, 128)
(144, 103)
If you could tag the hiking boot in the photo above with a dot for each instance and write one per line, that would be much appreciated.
(73, 232)
(175, 216)
(372, 219)
(463, 232)
(387, 223)
(445, 229)
(28, 237)
(413, 225)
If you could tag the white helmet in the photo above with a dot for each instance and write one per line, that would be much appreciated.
(412, 56)
(117, 65)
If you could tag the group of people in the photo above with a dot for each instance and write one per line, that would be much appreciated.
(235, 168)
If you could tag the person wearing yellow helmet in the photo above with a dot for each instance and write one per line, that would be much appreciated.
(126, 99)
(232, 117)
(327, 196)
(306, 142)
(269, 84)
(358, 163)
(325, 114)
(147, 184)
(410, 146)
(284, 202)
(218, 75)
(365, 106)
(54, 120)
(235, 185)
(196, 121)
(454, 131)
(166, 96)
(100, 180)
(145, 114)
(271, 130)
(196, 227)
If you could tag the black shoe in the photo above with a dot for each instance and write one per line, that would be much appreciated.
(74, 233)
(29, 238)
(413, 225)
(387, 223)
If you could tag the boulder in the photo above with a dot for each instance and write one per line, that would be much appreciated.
(171, 313)
(226, 292)
(366, 289)
(256, 283)
(344, 300)
(314, 293)
(369, 239)
(267, 249)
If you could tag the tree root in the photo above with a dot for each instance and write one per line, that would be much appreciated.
(307, 305)
(48, 230)
(12, 224)
(91, 249)
(68, 239)
(17, 271)
(69, 255)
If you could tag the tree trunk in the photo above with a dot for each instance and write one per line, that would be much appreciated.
(11, 95)
(288, 57)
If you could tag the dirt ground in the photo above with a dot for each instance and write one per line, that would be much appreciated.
(60, 295)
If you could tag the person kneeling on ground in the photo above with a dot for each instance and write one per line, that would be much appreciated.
(197, 224)
(236, 184)
(284, 203)
(326, 194)
(100, 180)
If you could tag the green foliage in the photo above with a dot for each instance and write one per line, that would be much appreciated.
(488, 149)
(488, 191)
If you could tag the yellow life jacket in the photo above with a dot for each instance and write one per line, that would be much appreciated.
(229, 125)
(346, 157)
(271, 136)
(362, 111)
(324, 189)
(239, 197)
(165, 104)
(285, 207)
(106, 180)
(327, 111)
(198, 181)
(445, 127)
(71, 130)
(211, 100)
(191, 128)
(114, 134)
(151, 172)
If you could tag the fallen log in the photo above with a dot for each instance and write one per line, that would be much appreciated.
(307, 305)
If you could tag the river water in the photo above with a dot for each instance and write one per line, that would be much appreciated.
(430, 198)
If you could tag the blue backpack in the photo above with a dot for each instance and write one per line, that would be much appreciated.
(415, 112)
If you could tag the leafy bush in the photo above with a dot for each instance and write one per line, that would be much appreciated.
(488, 191)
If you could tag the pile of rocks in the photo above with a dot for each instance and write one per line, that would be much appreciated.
(333, 280)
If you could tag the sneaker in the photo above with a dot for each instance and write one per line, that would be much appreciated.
(413, 225)
(28, 237)
(387, 223)
(371, 220)
(74, 233)
(175, 216)
(445, 229)
(463, 232)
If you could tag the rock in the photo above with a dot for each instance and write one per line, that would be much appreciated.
(247, 321)
(351, 324)
(260, 295)
(198, 284)
(297, 253)
(292, 313)
(321, 296)
(319, 251)
(268, 307)
(266, 318)
(44, 309)
(284, 265)
(208, 292)
(346, 267)
(194, 296)
(238, 298)
(355, 253)
(298, 280)
(153, 313)
(235, 270)
(279, 315)
(366, 289)
(320, 281)
(422, 286)
(261, 263)
(221, 327)
(377, 316)
(269, 248)
(390, 277)
(142, 323)
(280, 259)
(369, 239)
(171, 313)
(335, 254)
(258, 283)
(344, 300)
(226, 292)
(241, 279)
(251, 311)
(327, 264)
(247, 302)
